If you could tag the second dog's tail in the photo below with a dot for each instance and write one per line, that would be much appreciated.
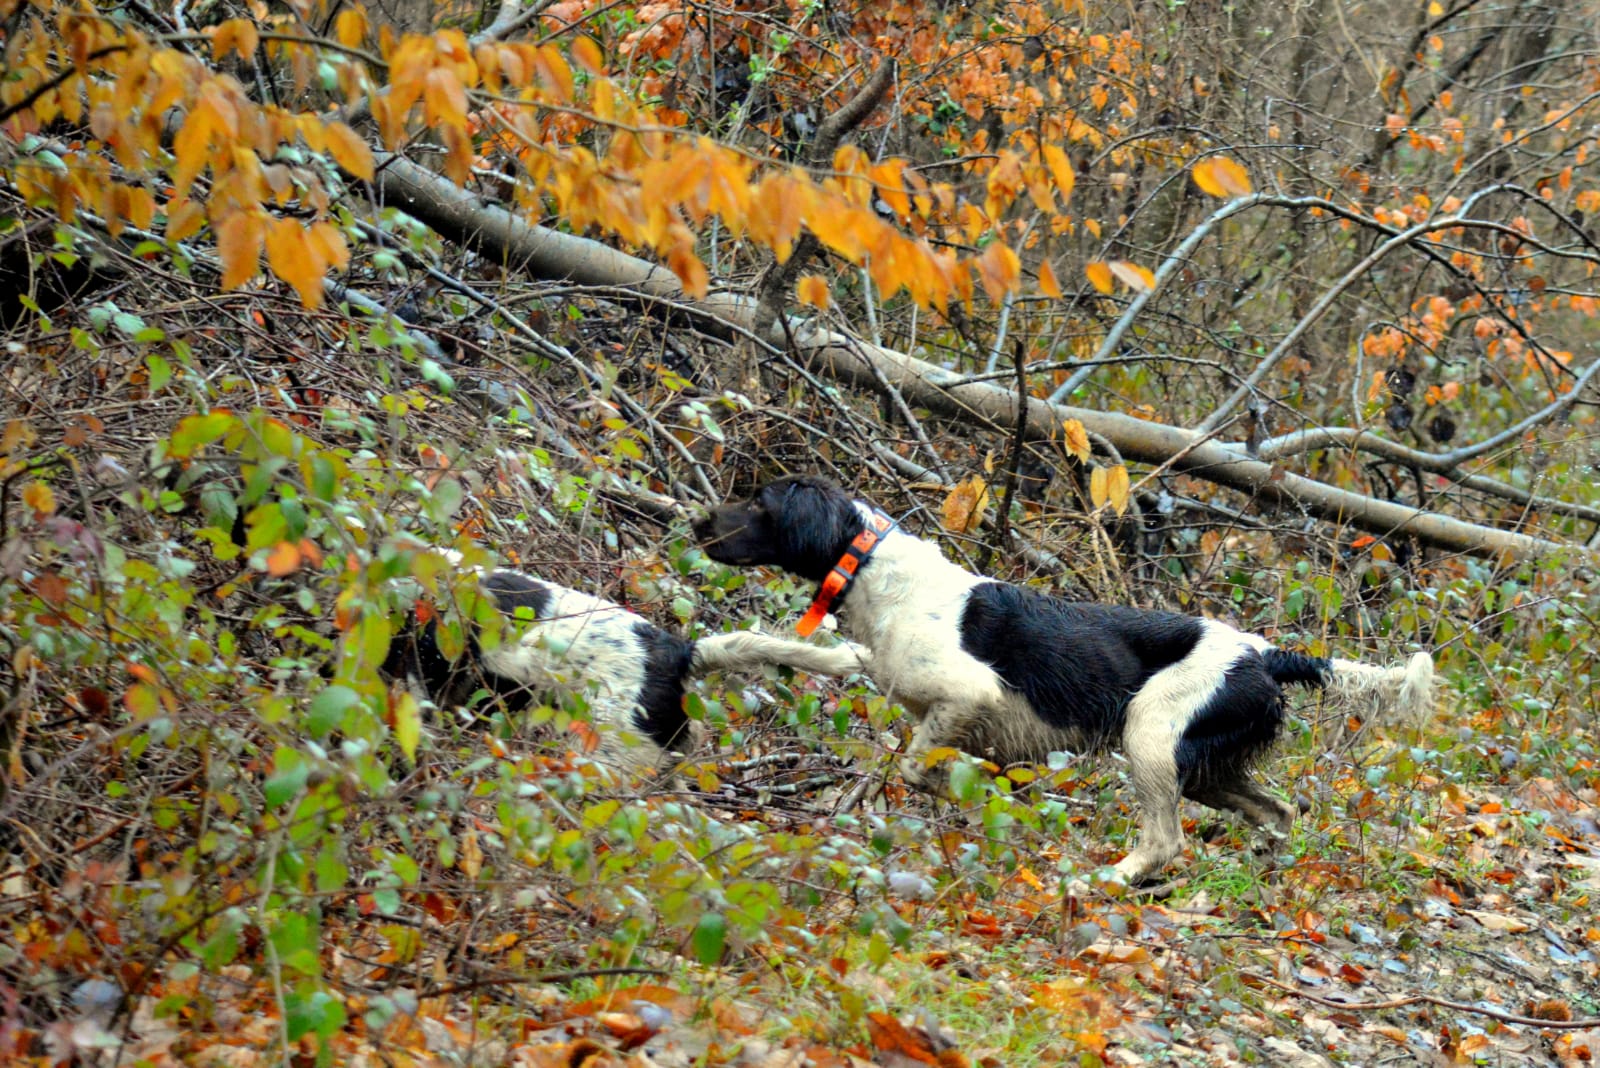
(745, 649)
(1406, 690)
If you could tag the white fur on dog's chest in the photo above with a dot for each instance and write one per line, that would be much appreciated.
(906, 606)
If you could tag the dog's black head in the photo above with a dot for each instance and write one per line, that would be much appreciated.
(800, 523)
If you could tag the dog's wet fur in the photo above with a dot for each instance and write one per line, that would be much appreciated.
(1011, 674)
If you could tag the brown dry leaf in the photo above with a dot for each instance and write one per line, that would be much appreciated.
(965, 505)
(1497, 921)
(890, 1035)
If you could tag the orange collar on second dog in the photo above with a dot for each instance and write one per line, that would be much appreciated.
(837, 583)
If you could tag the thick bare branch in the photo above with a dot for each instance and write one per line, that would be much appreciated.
(495, 233)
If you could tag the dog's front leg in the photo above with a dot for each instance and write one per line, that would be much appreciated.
(940, 728)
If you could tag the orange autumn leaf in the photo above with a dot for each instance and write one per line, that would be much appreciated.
(284, 559)
(1060, 170)
(1076, 440)
(292, 259)
(812, 290)
(351, 27)
(1220, 176)
(999, 270)
(1048, 285)
(350, 151)
(184, 219)
(588, 56)
(1100, 275)
(40, 498)
(239, 239)
(965, 504)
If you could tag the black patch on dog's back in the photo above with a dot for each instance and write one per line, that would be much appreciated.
(667, 659)
(1238, 721)
(1076, 663)
(1297, 668)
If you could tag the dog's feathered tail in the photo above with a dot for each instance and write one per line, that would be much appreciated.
(744, 649)
(1406, 690)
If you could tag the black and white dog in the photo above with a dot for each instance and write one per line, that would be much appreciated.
(630, 672)
(1012, 674)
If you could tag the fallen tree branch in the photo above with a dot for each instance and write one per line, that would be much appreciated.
(495, 233)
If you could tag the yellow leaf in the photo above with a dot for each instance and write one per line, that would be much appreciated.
(351, 27)
(1047, 280)
(588, 55)
(1220, 176)
(812, 289)
(1100, 275)
(1060, 170)
(239, 237)
(350, 151)
(1076, 441)
(965, 504)
(284, 559)
(1117, 488)
(1435, 9)
(1133, 276)
(1097, 487)
(40, 498)
(407, 724)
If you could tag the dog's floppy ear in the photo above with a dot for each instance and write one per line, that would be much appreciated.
(814, 522)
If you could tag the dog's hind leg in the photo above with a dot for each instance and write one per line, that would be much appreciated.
(1155, 786)
(1245, 797)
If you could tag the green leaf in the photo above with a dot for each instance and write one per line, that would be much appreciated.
(710, 938)
(195, 431)
(965, 780)
(328, 708)
(295, 937)
(160, 372)
(314, 1011)
(127, 323)
(288, 777)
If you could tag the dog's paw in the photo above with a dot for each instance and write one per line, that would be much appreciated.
(918, 775)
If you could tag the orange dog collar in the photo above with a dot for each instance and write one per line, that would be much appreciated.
(837, 582)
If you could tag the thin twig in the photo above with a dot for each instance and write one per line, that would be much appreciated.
(1424, 999)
